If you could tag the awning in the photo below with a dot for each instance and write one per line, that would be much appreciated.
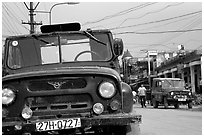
(173, 69)
(195, 63)
(167, 71)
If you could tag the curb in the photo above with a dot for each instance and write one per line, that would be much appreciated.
(196, 108)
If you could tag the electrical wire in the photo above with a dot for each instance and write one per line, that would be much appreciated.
(8, 28)
(9, 13)
(193, 40)
(162, 25)
(156, 26)
(12, 28)
(15, 17)
(157, 32)
(189, 25)
(23, 13)
(150, 45)
(12, 16)
(185, 26)
(157, 21)
(120, 13)
(151, 13)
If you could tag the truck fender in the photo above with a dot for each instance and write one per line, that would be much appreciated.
(127, 98)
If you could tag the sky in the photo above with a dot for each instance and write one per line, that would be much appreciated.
(143, 26)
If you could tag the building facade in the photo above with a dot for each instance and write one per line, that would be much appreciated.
(186, 66)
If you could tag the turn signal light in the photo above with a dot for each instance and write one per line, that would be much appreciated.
(27, 113)
(98, 108)
(115, 105)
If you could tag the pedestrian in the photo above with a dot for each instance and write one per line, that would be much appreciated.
(200, 85)
(187, 86)
(142, 95)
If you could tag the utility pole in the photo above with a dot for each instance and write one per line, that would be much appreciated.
(32, 23)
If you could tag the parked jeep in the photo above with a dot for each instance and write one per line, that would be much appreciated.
(170, 91)
(65, 81)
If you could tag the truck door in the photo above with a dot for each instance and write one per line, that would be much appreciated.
(158, 91)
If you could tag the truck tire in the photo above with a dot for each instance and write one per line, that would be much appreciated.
(176, 105)
(154, 103)
(190, 105)
(132, 129)
(166, 105)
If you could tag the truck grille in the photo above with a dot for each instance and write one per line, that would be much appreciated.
(59, 102)
(47, 85)
(180, 94)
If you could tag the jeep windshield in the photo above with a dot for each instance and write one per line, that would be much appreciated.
(58, 48)
(173, 84)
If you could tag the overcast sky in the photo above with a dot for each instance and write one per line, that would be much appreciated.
(141, 25)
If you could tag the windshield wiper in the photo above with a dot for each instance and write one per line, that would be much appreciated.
(42, 40)
(94, 38)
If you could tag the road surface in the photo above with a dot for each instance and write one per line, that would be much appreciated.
(169, 121)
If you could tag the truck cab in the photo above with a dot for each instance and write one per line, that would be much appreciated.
(65, 81)
(170, 91)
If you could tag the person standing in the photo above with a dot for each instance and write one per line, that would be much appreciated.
(200, 85)
(142, 95)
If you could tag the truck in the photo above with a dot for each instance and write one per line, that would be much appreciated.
(65, 81)
(170, 91)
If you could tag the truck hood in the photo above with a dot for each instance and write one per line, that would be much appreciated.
(64, 70)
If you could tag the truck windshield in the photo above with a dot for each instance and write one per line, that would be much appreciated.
(173, 84)
(66, 47)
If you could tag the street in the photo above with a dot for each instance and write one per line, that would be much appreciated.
(169, 121)
(74, 68)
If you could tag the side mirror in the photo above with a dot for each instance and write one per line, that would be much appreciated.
(118, 46)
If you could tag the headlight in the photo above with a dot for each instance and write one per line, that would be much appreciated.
(107, 90)
(172, 93)
(189, 93)
(7, 96)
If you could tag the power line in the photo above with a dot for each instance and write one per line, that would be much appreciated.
(13, 28)
(150, 45)
(162, 25)
(193, 40)
(12, 16)
(151, 12)
(157, 21)
(18, 18)
(8, 11)
(166, 45)
(100, 26)
(9, 29)
(156, 45)
(121, 13)
(190, 25)
(157, 32)
(20, 9)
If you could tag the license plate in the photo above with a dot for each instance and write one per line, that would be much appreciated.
(181, 99)
(58, 124)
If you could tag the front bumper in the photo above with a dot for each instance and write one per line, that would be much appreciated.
(119, 119)
(180, 100)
